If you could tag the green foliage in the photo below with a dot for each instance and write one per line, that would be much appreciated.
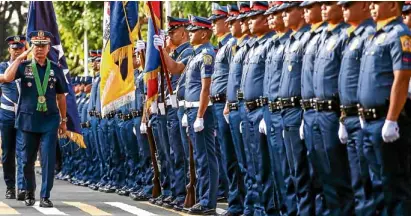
(74, 18)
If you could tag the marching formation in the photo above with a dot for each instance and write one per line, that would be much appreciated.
(303, 109)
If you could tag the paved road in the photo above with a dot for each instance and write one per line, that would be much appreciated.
(75, 200)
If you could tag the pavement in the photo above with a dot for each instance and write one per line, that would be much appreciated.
(76, 200)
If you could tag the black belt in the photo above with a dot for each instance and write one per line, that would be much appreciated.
(218, 98)
(120, 115)
(110, 115)
(85, 125)
(232, 106)
(274, 106)
(126, 117)
(136, 114)
(325, 105)
(351, 110)
(240, 95)
(92, 113)
(289, 102)
(306, 104)
(252, 105)
(98, 115)
(373, 113)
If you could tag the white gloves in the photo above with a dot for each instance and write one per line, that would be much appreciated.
(173, 100)
(241, 127)
(134, 131)
(158, 41)
(154, 108)
(262, 128)
(390, 131)
(140, 45)
(361, 122)
(199, 125)
(342, 134)
(162, 108)
(184, 121)
(226, 116)
(143, 128)
(302, 130)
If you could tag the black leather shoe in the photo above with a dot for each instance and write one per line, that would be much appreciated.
(111, 189)
(198, 209)
(222, 199)
(167, 202)
(179, 202)
(29, 200)
(46, 203)
(11, 193)
(161, 201)
(21, 194)
(153, 200)
(143, 197)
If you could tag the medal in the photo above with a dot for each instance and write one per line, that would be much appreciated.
(41, 99)
(51, 86)
(29, 84)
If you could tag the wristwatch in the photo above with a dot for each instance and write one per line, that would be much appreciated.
(64, 119)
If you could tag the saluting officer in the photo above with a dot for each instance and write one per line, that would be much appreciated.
(11, 138)
(382, 92)
(182, 51)
(42, 112)
(252, 81)
(332, 155)
(357, 14)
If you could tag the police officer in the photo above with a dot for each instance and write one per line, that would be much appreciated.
(332, 156)
(145, 166)
(42, 112)
(382, 93)
(94, 118)
(11, 138)
(284, 187)
(406, 14)
(252, 80)
(235, 106)
(357, 14)
(289, 96)
(179, 39)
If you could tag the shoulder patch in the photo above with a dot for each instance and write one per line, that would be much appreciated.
(406, 43)
(208, 59)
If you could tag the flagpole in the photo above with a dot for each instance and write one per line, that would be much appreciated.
(163, 64)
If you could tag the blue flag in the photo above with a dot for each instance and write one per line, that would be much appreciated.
(41, 16)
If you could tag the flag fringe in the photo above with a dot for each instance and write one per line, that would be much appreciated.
(119, 102)
(151, 74)
(76, 138)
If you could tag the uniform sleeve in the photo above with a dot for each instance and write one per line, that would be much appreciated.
(61, 85)
(401, 53)
(207, 66)
(185, 56)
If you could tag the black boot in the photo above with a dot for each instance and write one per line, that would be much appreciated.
(29, 200)
(11, 193)
(46, 203)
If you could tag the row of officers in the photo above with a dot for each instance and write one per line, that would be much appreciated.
(304, 109)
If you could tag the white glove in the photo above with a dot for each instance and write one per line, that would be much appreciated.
(184, 121)
(283, 134)
(226, 116)
(154, 108)
(140, 45)
(173, 100)
(199, 125)
(262, 128)
(134, 131)
(158, 41)
(162, 108)
(390, 131)
(361, 122)
(342, 134)
(143, 128)
(302, 130)
(241, 127)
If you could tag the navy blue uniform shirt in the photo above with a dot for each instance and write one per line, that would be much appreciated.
(9, 96)
(221, 66)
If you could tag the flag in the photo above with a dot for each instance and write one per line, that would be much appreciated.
(41, 16)
(120, 28)
(153, 61)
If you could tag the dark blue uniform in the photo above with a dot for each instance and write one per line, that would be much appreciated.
(252, 81)
(289, 96)
(199, 67)
(39, 128)
(354, 44)
(332, 155)
(11, 139)
(284, 187)
(178, 144)
(386, 51)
